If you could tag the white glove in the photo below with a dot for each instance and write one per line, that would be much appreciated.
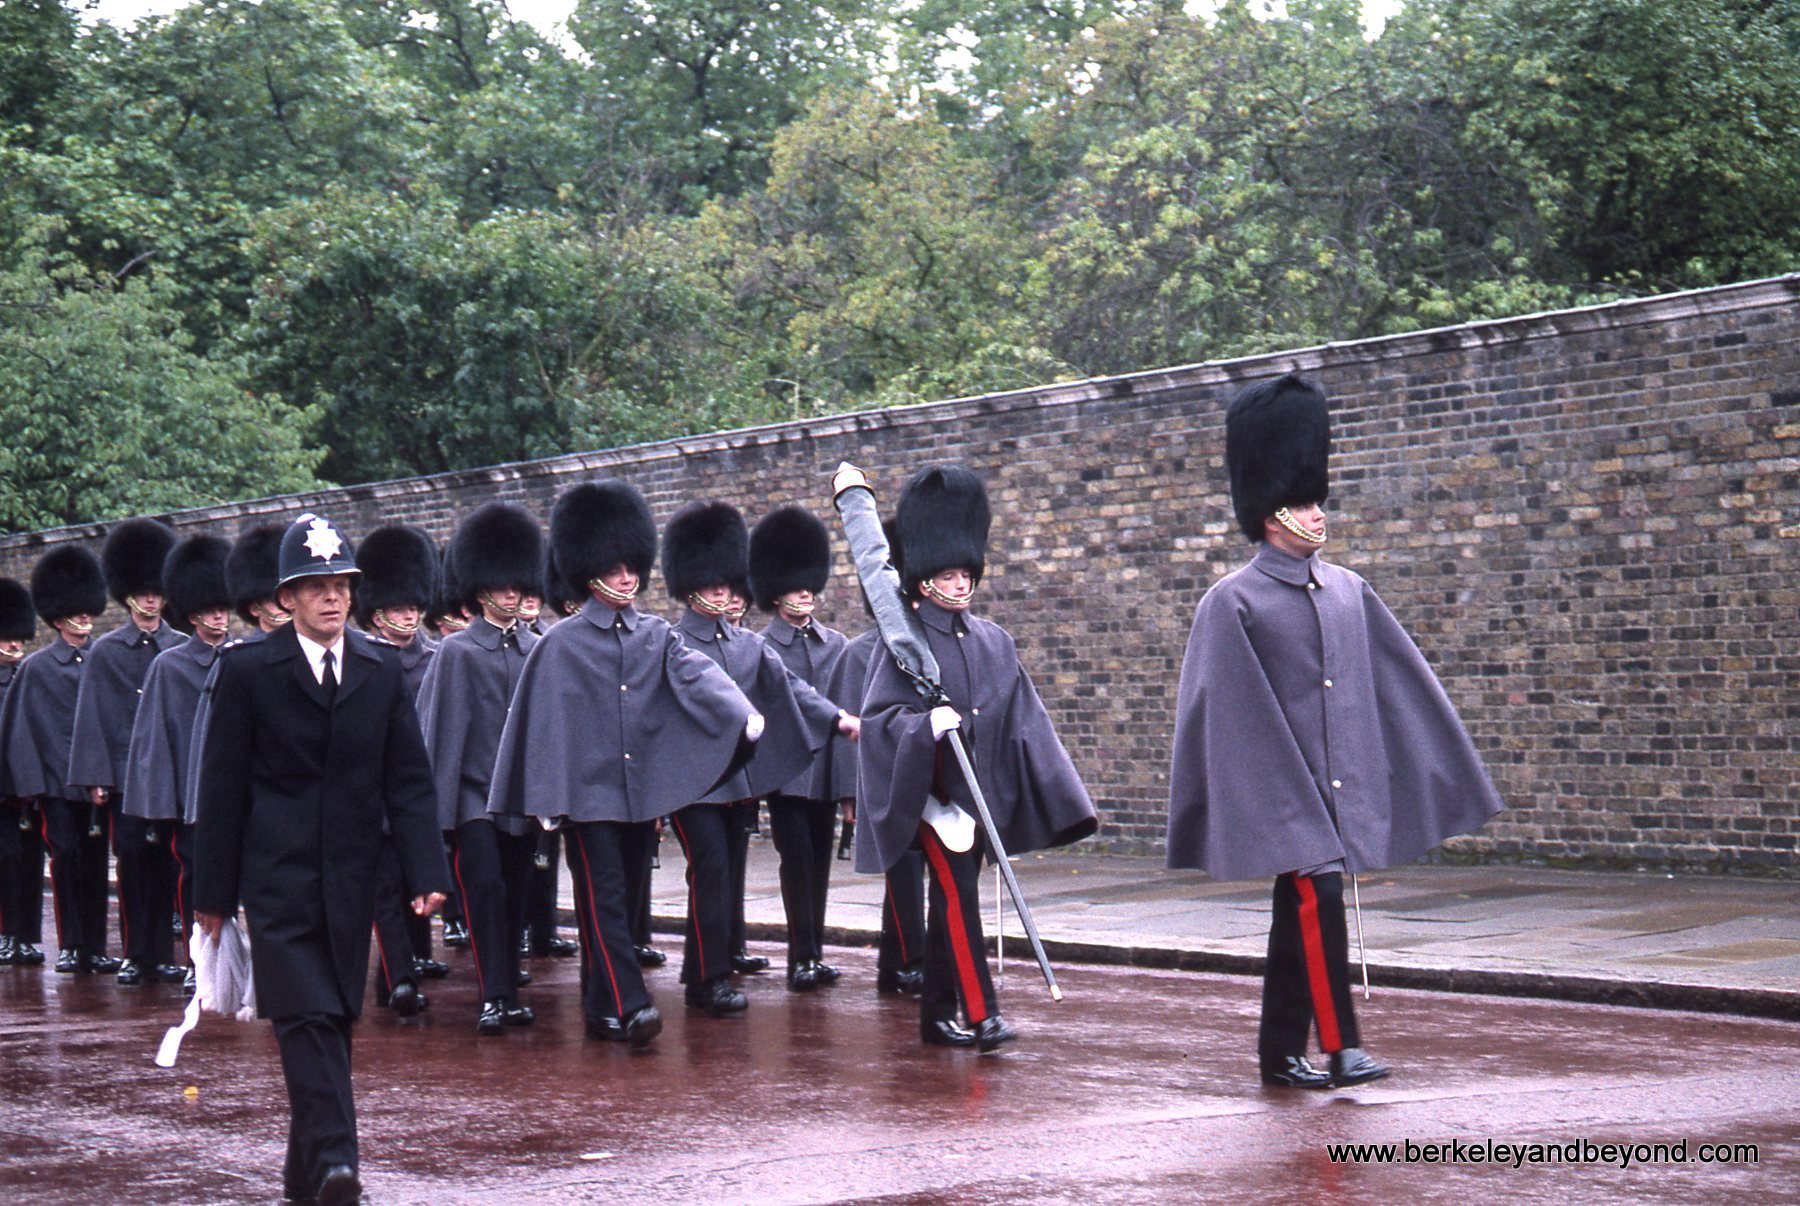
(753, 728)
(944, 719)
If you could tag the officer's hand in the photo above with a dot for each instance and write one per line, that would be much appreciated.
(96, 796)
(428, 904)
(850, 726)
(209, 924)
(847, 806)
(944, 719)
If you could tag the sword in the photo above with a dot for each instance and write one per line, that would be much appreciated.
(904, 637)
(1362, 952)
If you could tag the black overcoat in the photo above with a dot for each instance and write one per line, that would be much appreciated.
(162, 736)
(811, 655)
(293, 791)
(1031, 787)
(616, 718)
(118, 664)
(36, 720)
(462, 709)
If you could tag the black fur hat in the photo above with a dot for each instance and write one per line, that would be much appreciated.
(560, 595)
(943, 521)
(399, 566)
(132, 558)
(194, 578)
(67, 581)
(705, 544)
(17, 620)
(254, 566)
(1277, 443)
(789, 550)
(597, 525)
(497, 545)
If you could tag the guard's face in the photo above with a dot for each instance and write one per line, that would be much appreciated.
(622, 579)
(716, 597)
(739, 605)
(530, 606)
(403, 619)
(319, 604)
(952, 589)
(74, 629)
(149, 605)
(797, 605)
(1306, 534)
(501, 607)
(212, 624)
(269, 614)
(12, 651)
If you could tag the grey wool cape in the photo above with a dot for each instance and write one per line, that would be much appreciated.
(36, 721)
(118, 664)
(158, 766)
(462, 710)
(1310, 729)
(812, 655)
(616, 719)
(848, 675)
(798, 721)
(1031, 787)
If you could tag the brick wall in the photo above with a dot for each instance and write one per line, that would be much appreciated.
(1589, 520)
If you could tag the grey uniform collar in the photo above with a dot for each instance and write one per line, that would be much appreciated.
(605, 615)
(1285, 567)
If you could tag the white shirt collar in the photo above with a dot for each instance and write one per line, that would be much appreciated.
(315, 655)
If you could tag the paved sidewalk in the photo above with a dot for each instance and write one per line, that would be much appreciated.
(1716, 944)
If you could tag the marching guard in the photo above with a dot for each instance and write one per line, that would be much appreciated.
(1311, 737)
(21, 841)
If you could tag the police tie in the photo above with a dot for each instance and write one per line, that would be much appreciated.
(330, 681)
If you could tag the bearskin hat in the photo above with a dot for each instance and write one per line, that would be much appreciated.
(254, 567)
(194, 578)
(17, 620)
(560, 595)
(399, 566)
(597, 525)
(789, 550)
(943, 520)
(1277, 443)
(497, 545)
(67, 581)
(705, 544)
(132, 558)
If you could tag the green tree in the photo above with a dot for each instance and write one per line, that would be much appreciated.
(108, 411)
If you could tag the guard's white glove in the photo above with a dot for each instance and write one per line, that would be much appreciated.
(943, 720)
(753, 728)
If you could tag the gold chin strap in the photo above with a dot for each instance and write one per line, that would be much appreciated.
(528, 614)
(217, 629)
(708, 609)
(929, 589)
(271, 612)
(381, 617)
(487, 599)
(1287, 521)
(606, 592)
(149, 613)
(78, 627)
(11, 655)
(800, 609)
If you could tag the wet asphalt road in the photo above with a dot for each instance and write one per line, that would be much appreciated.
(1138, 1087)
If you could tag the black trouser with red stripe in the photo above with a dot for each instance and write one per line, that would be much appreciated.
(802, 830)
(77, 874)
(598, 851)
(393, 924)
(639, 867)
(708, 834)
(493, 874)
(749, 822)
(22, 902)
(540, 904)
(955, 951)
(1307, 978)
(181, 846)
(903, 915)
(146, 888)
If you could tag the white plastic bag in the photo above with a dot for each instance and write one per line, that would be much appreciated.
(223, 984)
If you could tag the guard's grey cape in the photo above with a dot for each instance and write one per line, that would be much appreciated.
(36, 720)
(118, 664)
(811, 655)
(462, 710)
(1310, 729)
(616, 719)
(159, 766)
(415, 660)
(1031, 786)
(798, 721)
(848, 675)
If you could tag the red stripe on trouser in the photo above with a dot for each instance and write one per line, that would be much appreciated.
(469, 925)
(687, 852)
(1317, 981)
(959, 937)
(598, 940)
(181, 884)
(55, 896)
(899, 927)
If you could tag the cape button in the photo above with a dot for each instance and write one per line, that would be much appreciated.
(1328, 684)
(1334, 782)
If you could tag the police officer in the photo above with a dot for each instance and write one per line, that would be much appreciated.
(311, 741)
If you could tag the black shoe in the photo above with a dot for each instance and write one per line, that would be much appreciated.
(456, 934)
(992, 1031)
(802, 978)
(824, 973)
(643, 1026)
(167, 973)
(717, 997)
(521, 978)
(190, 983)
(430, 969)
(6, 949)
(406, 999)
(1293, 1072)
(607, 1030)
(340, 1187)
(649, 956)
(946, 1033)
(747, 964)
(518, 1015)
(564, 948)
(28, 954)
(69, 962)
(907, 981)
(493, 1018)
(103, 965)
(130, 974)
(1354, 1066)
